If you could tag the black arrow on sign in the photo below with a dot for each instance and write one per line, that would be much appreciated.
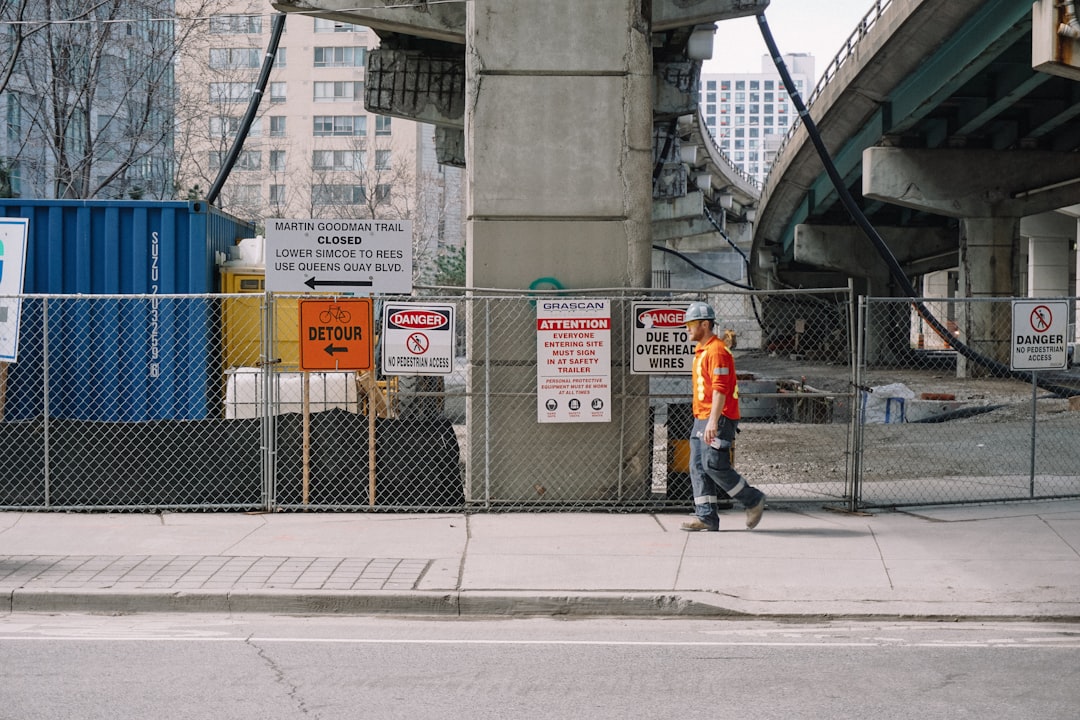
(312, 282)
(332, 348)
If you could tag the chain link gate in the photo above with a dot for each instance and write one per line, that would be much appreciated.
(182, 402)
(937, 427)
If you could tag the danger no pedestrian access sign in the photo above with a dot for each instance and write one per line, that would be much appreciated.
(336, 334)
(417, 339)
(1038, 332)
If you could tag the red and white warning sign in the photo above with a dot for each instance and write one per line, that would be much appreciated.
(1038, 331)
(417, 339)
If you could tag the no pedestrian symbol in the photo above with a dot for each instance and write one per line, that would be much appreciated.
(418, 343)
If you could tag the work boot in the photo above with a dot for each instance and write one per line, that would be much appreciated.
(698, 526)
(753, 514)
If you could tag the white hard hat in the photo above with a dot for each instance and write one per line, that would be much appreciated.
(699, 311)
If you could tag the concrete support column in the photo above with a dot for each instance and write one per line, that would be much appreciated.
(1048, 267)
(987, 246)
(1050, 238)
(558, 138)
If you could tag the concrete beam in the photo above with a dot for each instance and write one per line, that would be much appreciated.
(972, 183)
(444, 21)
(672, 14)
(1048, 225)
(413, 85)
(846, 249)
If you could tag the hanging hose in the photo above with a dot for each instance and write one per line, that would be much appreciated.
(276, 28)
(895, 271)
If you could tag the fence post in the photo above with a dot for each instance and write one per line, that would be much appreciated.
(45, 393)
(856, 422)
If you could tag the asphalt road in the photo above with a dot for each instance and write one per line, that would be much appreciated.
(271, 667)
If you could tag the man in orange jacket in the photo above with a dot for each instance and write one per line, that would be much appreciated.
(716, 420)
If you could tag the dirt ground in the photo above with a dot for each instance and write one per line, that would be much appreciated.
(815, 455)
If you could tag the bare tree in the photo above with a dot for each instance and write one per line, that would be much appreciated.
(94, 91)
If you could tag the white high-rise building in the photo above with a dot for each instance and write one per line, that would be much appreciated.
(749, 114)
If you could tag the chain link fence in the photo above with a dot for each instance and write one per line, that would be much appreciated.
(136, 402)
(941, 418)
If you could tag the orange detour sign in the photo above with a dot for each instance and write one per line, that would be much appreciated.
(336, 334)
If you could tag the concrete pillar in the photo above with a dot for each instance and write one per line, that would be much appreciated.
(558, 137)
(1050, 238)
(986, 271)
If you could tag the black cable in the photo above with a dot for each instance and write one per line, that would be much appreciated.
(699, 268)
(895, 271)
(276, 28)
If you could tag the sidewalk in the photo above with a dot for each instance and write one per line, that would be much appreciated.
(993, 561)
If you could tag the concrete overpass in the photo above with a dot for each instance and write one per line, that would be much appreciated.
(576, 124)
(954, 124)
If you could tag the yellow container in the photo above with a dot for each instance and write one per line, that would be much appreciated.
(679, 456)
(242, 322)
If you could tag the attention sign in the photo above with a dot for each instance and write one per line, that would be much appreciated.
(336, 334)
(573, 360)
(417, 339)
(661, 343)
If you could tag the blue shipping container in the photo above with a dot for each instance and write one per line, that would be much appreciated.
(110, 359)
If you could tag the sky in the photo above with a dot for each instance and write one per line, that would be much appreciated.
(818, 27)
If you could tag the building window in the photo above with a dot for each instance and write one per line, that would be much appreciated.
(235, 24)
(348, 91)
(740, 84)
(382, 124)
(710, 84)
(337, 160)
(382, 159)
(225, 92)
(340, 125)
(277, 194)
(246, 160)
(754, 85)
(277, 126)
(339, 56)
(331, 194)
(322, 25)
(277, 161)
(245, 194)
(382, 193)
(769, 85)
(233, 58)
(277, 92)
(281, 58)
(227, 126)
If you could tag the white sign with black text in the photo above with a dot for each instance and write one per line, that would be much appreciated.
(417, 339)
(573, 360)
(1038, 332)
(13, 239)
(661, 343)
(339, 256)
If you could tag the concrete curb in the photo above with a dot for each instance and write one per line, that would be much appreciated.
(508, 604)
